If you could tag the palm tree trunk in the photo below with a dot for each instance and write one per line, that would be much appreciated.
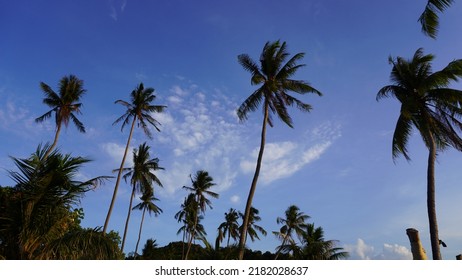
(192, 237)
(280, 248)
(127, 220)
(431, 201)
(184, 237)
(139, 234)
(245, 222)
(119, 176)
(55, 141)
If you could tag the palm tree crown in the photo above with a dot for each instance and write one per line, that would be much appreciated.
(230, 226)
(293, 222)
(274, 77)
(140, 108)
(428, 104)
(315, 247)
(41, 218)
(65, 104)
(141, 175)
(253, 228)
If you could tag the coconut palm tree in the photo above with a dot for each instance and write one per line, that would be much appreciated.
(192, 228)
(139, 110)
(434, 109)
(429, 19)
(147, 203)
(142, 178)
(314, 247)
(149, 249)
(42, 221)
(200, 188)
(186, 216)
(293, 222)
(230, 226)
(253, 228)
(64, 104)
(274, 78)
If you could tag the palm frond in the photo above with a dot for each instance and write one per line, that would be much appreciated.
(401, 136)
(77, 123)
(250, 104)
(429, 19)
(45, 116)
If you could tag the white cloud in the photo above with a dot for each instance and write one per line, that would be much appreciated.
(200, 96)
(235, 199)
(283, 159)
(179, 91)
(115, 6)
(18, 120)
(363, 251)
(11, 115)
(140, 76)
(200, 137)
(394, 252)
(175, 99)
(116, 152)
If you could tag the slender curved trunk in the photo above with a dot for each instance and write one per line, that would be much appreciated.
(245, 222)
(139, 234)
(431, 201)
(55, 142)
(127, 220)
(119, 176)
(280, 248)
(192, 237)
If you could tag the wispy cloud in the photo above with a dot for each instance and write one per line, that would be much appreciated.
(283, 159)
(11, 114)
(201, 135)
(16, 119)
(116, 152)
(116, 7)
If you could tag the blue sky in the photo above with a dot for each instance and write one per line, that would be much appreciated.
(335, 164)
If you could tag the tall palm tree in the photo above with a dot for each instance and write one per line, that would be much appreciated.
(230, 226)
(293, 222)
(253, 228)
(201, 185)
(429, 19)
(428, 104)
(65, 104)
(274, 76)
(41, 220)
(147, 203)
(139, 110)
(141, 176)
